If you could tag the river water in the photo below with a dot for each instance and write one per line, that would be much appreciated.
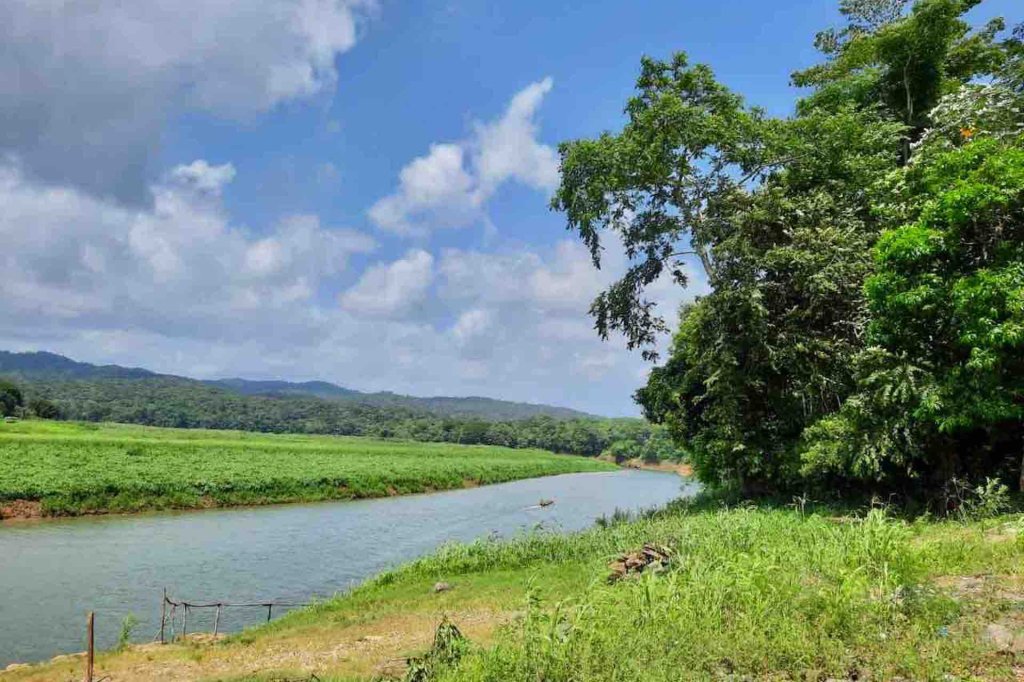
(53, 572)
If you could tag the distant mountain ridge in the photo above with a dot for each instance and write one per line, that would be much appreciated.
(42, 365)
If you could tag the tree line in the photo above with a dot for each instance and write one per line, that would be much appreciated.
(865, 327)
(181, 403)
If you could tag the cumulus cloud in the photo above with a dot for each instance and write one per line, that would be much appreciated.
(86, 89)
(75, 262)
(180, 287)
(391, 288)
(563, 280)
(450, 186)
(508, 148)
(436, 185)
(538, 305)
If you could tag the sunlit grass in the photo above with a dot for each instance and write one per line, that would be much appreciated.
(76, 468)
(751, 593)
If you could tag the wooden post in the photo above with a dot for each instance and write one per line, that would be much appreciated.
(90, 644)
(270, 607)
(184, 620)
(163, 615)
(216, 621)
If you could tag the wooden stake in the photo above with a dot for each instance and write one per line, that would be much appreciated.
(270, 607)
(184, 620)
(216, 621)
(163, 615)
(90, 643)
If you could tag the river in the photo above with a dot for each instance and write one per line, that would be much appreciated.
(52, 572)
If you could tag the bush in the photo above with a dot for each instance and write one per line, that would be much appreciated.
(11, 398)
(43, 408)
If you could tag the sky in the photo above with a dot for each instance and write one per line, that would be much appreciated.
(347, 190)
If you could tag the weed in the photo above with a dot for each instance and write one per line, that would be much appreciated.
(128, 626)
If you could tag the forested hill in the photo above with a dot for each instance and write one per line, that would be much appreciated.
(54, 387)
(50, 367)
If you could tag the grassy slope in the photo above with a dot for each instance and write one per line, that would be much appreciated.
(77, 468)
(753, 594)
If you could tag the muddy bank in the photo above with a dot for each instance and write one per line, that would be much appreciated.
(667, 467)
(21, 509)
(679, 468)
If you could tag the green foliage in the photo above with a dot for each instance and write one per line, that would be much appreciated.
(74, 468)
(863, 326)
(450, 645)
(669, 173)
(43, 408)
(941, 390)
(11, 398)
(903, 62)
(128, 626)
(40, 366)
(183, 403)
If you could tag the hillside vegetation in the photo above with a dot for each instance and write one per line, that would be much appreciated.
(50, 367)
(52, 386)
(74, 468)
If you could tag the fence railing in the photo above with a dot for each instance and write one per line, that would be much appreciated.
(169, 609)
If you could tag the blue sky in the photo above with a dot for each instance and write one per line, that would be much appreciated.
(349, 190)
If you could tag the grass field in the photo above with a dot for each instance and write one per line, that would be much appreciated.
(61, 468)
(752, 593)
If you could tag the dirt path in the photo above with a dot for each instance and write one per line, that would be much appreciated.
(363, 650)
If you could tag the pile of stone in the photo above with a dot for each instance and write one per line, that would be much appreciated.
(649, 558)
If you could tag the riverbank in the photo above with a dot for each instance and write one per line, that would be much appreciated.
(70, 469)
(680, 468)
(745, 593)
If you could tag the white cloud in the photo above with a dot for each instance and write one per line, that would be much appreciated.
(508, 148)
(471, 324)
(450, 186)
(391, 288)
(86, 87)
(541, 300)
(181, 288)
(179, 268)
(203, 177)
(435, 185)
(475, 335)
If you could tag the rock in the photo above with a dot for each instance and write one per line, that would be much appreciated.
(649, 557)
(16, 666)
(1004, 639)
(441, 587)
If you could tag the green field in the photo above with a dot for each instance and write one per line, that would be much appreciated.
(75, 468)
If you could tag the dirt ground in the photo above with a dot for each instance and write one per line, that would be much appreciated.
(364, 650)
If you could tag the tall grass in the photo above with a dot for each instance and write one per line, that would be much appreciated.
(750, 594)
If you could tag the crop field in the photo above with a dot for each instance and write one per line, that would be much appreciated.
(63, 468)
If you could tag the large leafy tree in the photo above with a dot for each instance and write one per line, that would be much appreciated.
(941, 387)
(780, 215)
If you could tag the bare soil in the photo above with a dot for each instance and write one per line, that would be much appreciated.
(21, 509)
